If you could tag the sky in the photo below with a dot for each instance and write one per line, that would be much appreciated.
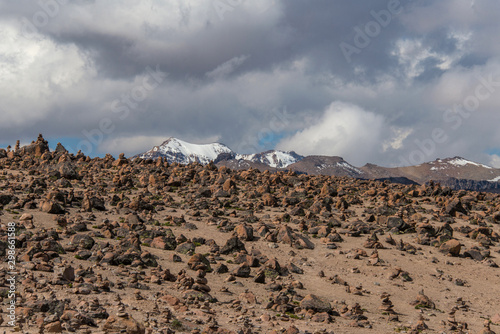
(389, 82)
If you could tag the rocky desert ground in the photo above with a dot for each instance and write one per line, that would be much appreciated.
(107, 245)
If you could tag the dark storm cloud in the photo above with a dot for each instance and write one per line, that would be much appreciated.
(230, 73)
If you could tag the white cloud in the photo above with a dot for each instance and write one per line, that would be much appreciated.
(65, 79)
(412, 53)
(457, 84)
(494, 161)
(227, 67)
(344, 130)
(396, 142)
(35, 69)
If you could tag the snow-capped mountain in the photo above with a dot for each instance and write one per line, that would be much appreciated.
(176, 150)
(451, 163)
(456, 172)
(449, 171)
(273, 158)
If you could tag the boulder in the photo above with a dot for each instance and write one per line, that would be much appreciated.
(453, 207)
(163, 242)
(51, 207)
(233, 244)
(243, 270)
(123, 325)
(451, 247)
(244, 232)
(198, 261)
(82, 240)
(315, 303)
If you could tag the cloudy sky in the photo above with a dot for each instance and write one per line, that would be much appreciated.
(388, 82)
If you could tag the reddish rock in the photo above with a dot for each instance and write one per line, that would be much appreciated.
(51, 207)
(123, 324)
(451, 247)
(53, 327)
(244, 232)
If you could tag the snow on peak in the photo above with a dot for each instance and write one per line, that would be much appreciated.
(348, 166)
(458, 161)
(274, 159)
(454, 162)
(177, 150)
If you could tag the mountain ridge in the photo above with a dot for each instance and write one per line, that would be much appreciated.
(176, 150)
(456, 172)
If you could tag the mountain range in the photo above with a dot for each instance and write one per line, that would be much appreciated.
(456, 172)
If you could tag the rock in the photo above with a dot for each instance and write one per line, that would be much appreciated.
(321, 317)
(474, 254)
(291, 330)
(228, 185)
(53, 327)
(423, 301)
(268, 200)
(244, 232)
(67, 171)
(5, 199)
(248, 297)
(496, 319)
(121, 161)
(395, 222)
(60, 149)
(82, 240)
(36, 149)
(233, 244)
(453, 207)
(203, 296)
(51, 207)
(221, 269)
(185, 248)
(243, 270)
(67, 273)
(451, 247)
(293, 268)
(285, 235)
(496, 217)
(123, 325)
(198, 261)
(26, 216)
(163, 242)
(315, 303)
(260, 277)
(93, 202)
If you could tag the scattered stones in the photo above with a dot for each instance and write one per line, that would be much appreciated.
(95, 236)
